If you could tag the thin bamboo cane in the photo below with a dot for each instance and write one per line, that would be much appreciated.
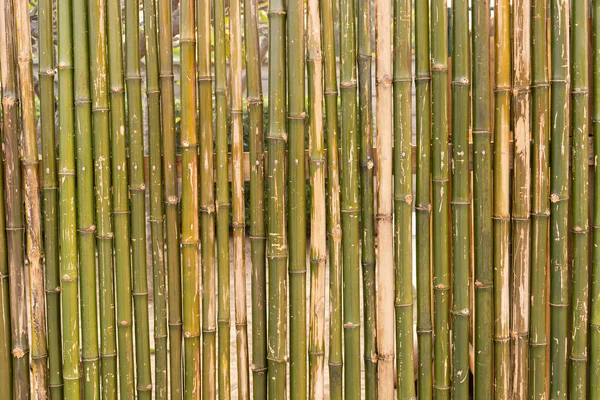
(403, 199)
(86, 228)
(578, 365)
(423, 200)
(33, 213)
(482, 200)
(461, 200)
(501, 206)
(350, 209)
(540, 201)
(49, 188)
(318, 217)
(559, 197)
(365, 93)
(222, 203)
(595, 284)
(238, 216)
(333, 194)
(102, 174)
(120, 202)
(156, 206)
(169, 146)
(277, 252)
(257, 206)
(440, 175)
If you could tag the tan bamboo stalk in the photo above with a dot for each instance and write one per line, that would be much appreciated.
(595, 263)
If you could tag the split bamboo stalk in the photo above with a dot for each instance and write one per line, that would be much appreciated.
(441, 217)
(68, 240)
(423, 200)
(171, 195)
(277, 251)
(49, 188)
(318, 217)
(86, 228)
(189, 212)
(560, 153)
(257, 237)
(461, 200)
(120, 202)
(156, 204)
(238, 206)
(403, 198)
(367, 163)
(33, 212)
(578, 365)
(333, 193)
(482, 200)
(222, 203)
(102, 176)
(501, 206)
(595, 284)
(540, 201)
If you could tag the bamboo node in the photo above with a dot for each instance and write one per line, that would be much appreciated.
(385, 80)
(18, 352)
(9, 101)
(439, 67)
(124, 323)
(441, 286)
(351, 325)
(172, 200)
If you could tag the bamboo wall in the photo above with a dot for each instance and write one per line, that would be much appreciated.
(409, 209)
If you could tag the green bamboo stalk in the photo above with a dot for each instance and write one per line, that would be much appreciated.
(501, 206)
(318, 217)
(423, 200)
(156, 206)
(207, 202)
(102, 174)
(169, 147)
(86, 228)
(334, 228)
(238, 216)
(482, 200)
(365, 94)
(540, 201)
(403, 200)
(578, 365)
(297, 197)
(33, 212)
(440, 177)
(595, 284)
(559, 197)
(49, 189)
(120, 195)
(350, 209)
(14, 206)
(461, 204)
(277, 252)
(69, 270)
(257, 236)
(222, 203)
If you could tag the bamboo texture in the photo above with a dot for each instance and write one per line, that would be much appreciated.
(595, 261)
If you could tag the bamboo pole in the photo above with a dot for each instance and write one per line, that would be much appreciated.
(482, 200)
(461, 200)
(49, 188)
(334, 229)
(277, 252)
(85, 203)
(403, 198)
(156, 205)
(578, 365)
(169, 159)
(120, 202)
(33, 214)
(440, 177)
(365, 93)
(258, 240)
(102, 175)
(540, 201)
(318, 217)
(423, 200)
(595, 284)
(501, 206)
(559, 196)
(238, 206)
